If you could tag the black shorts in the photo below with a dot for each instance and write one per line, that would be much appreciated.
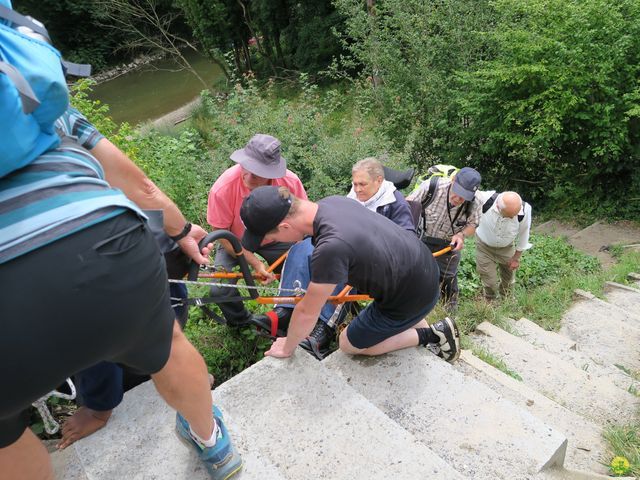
(98, 294)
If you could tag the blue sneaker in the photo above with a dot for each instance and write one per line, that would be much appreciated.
(222, 460)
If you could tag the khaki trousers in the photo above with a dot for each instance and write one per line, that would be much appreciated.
(492, 262)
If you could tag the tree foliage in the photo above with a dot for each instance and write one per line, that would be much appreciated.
(267, 37)
(75, 29)
(541, 96)
(559, 101)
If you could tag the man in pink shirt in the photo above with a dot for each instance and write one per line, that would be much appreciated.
(259, 163)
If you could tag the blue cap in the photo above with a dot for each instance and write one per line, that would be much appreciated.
(466, 183)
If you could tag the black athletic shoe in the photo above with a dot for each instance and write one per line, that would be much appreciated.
(448, 347)
(319, 340)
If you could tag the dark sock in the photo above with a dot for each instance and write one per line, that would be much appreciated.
(426, 335)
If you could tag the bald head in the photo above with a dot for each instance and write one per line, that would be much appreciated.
(509, 204)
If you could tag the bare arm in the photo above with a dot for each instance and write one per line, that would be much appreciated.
(304, 318)
(122, 173)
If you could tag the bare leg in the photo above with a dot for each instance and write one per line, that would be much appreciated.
(82, 423)
(26, 459)
(406, 339)
(184, 384)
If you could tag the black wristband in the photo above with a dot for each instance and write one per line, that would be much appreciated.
(185, 231)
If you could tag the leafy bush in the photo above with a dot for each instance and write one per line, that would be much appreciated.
(557, 104)
(322, 137)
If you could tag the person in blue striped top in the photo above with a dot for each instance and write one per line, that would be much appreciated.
(83, 281)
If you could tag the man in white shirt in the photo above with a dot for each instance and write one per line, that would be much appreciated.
(501, 237)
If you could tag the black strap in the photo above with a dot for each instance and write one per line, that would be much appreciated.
(428, 198)
(464, 207)
(490, 201)
(76, 69)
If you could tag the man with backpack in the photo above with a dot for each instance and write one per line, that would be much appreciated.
(451, 213)
(501, 237)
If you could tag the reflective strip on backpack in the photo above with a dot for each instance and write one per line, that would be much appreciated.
(70, 68)
(22, 21)
(29, 99)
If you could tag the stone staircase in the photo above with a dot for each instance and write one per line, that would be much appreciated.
(407, 414)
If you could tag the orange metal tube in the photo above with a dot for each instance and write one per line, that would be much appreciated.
(332, 299)
(275, 264)
(227, 275)
(442, 252)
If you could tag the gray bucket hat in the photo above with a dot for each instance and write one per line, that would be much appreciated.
(261, 156)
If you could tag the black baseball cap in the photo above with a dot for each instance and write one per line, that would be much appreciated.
(261, 212)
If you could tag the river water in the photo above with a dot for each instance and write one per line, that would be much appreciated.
(155, 89)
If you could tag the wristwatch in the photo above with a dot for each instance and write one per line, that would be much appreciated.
(185, 231)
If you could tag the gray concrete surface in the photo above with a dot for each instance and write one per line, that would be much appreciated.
(310, 424)
(585, 443)
(67, 465)
(606, 331)
(482, 434)
(626, 297)
(568, 350)
(599, 400)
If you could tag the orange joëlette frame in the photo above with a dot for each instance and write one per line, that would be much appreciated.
(342, 297)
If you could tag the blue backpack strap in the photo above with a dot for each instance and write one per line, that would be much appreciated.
(29, 99)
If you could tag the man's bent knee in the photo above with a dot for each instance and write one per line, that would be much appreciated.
(345, 345)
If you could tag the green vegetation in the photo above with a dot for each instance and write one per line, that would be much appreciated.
(624, 442)
(487, 357)
(541, 96)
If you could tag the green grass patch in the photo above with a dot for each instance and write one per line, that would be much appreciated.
(496, 362)
(624, 443)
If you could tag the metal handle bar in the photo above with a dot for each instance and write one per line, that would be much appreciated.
(237, 248)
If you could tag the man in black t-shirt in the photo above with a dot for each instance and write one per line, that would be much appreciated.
(358, 247)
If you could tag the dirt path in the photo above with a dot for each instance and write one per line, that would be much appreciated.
(597, 238)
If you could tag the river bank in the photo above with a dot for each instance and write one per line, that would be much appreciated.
(125, 68)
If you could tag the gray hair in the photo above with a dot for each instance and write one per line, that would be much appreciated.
(371, 165)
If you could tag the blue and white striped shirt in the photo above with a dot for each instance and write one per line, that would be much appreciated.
(61, 192)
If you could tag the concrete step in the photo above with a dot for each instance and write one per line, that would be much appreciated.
(290, 419)
(596, 399)
(607, 331)
(585, 445)
(480, 433)
(567, 349)
(66, 463)
(625, 297)
(570, 474)
(635, 278)
(139, 442)
(310, 424)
